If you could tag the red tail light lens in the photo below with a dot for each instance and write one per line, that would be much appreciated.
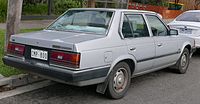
(15, 49)
(65, 59)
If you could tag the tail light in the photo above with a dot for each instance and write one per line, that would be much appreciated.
(65, 59)
(16, 49)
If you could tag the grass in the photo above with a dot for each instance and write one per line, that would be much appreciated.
(6, 70)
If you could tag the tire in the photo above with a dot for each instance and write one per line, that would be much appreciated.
(183, 62)
(119, 81)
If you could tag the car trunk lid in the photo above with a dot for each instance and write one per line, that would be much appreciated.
(54, 39)
(186, 28)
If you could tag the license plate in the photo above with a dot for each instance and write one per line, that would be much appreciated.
(39, 54)
(186, 31)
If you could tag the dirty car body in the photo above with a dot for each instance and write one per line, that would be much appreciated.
(99, 46)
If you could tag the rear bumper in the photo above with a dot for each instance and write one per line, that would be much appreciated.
(77, 78)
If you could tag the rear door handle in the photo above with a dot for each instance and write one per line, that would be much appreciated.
(132, 49)
(159, 45)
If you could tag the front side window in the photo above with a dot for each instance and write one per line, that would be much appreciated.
(157, 27)
(134, 26)
(92, 21)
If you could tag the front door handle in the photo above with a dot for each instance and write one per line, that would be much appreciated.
(159, 45)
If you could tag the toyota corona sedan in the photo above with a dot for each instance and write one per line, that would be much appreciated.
(103, 47)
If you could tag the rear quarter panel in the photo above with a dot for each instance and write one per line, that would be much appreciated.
(184, 41)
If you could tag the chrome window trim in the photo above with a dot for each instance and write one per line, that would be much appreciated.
(132, 13)
(160, 21)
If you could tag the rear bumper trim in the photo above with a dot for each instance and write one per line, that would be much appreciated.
(60, 74)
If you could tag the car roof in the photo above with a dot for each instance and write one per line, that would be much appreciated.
(119, 10)
(193, 11)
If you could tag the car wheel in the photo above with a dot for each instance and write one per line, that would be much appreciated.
(119, 81)
(183, 62)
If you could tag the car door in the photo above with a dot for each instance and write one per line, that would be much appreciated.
(166, 45)
(139, 42)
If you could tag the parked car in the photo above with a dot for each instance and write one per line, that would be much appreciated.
(188, 24)
(106, 47)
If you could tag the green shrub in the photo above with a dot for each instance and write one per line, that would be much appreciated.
(60, 6)
(35, 9)
(3, 10)
(153, 2)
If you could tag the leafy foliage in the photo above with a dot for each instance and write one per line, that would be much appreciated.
(40, 7)
(34, 1)
(35, 9)
(153, 2)
(3, 10)
(60, 6)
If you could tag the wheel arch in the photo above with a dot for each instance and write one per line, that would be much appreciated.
(129, 59)
(189, 47)
(186, 45)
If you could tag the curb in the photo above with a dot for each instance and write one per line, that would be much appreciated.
(17, 81)
(1, 76)
(26, 89)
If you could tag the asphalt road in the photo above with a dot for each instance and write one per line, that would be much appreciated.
(161, 87)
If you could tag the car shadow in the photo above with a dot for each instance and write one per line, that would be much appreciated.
(89, 92)
(197, 53)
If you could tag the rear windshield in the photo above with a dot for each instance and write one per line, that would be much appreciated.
(189, 16)
(93, 21)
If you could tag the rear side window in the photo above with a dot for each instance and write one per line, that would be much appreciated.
(126, 28)
(134, 26)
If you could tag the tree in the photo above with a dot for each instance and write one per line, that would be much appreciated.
(13, 19)
(34, 1)
(197, 3)
(91, 3)
(176, 1)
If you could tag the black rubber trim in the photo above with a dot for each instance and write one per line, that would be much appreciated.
(147, 59)
(193, 50)
(55, 72)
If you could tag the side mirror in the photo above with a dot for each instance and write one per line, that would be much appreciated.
(173, 32)
(168, 26)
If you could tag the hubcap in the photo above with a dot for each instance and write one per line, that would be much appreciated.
(120, 80)
(184, 60)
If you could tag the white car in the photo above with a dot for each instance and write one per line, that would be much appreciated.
(188, 23)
